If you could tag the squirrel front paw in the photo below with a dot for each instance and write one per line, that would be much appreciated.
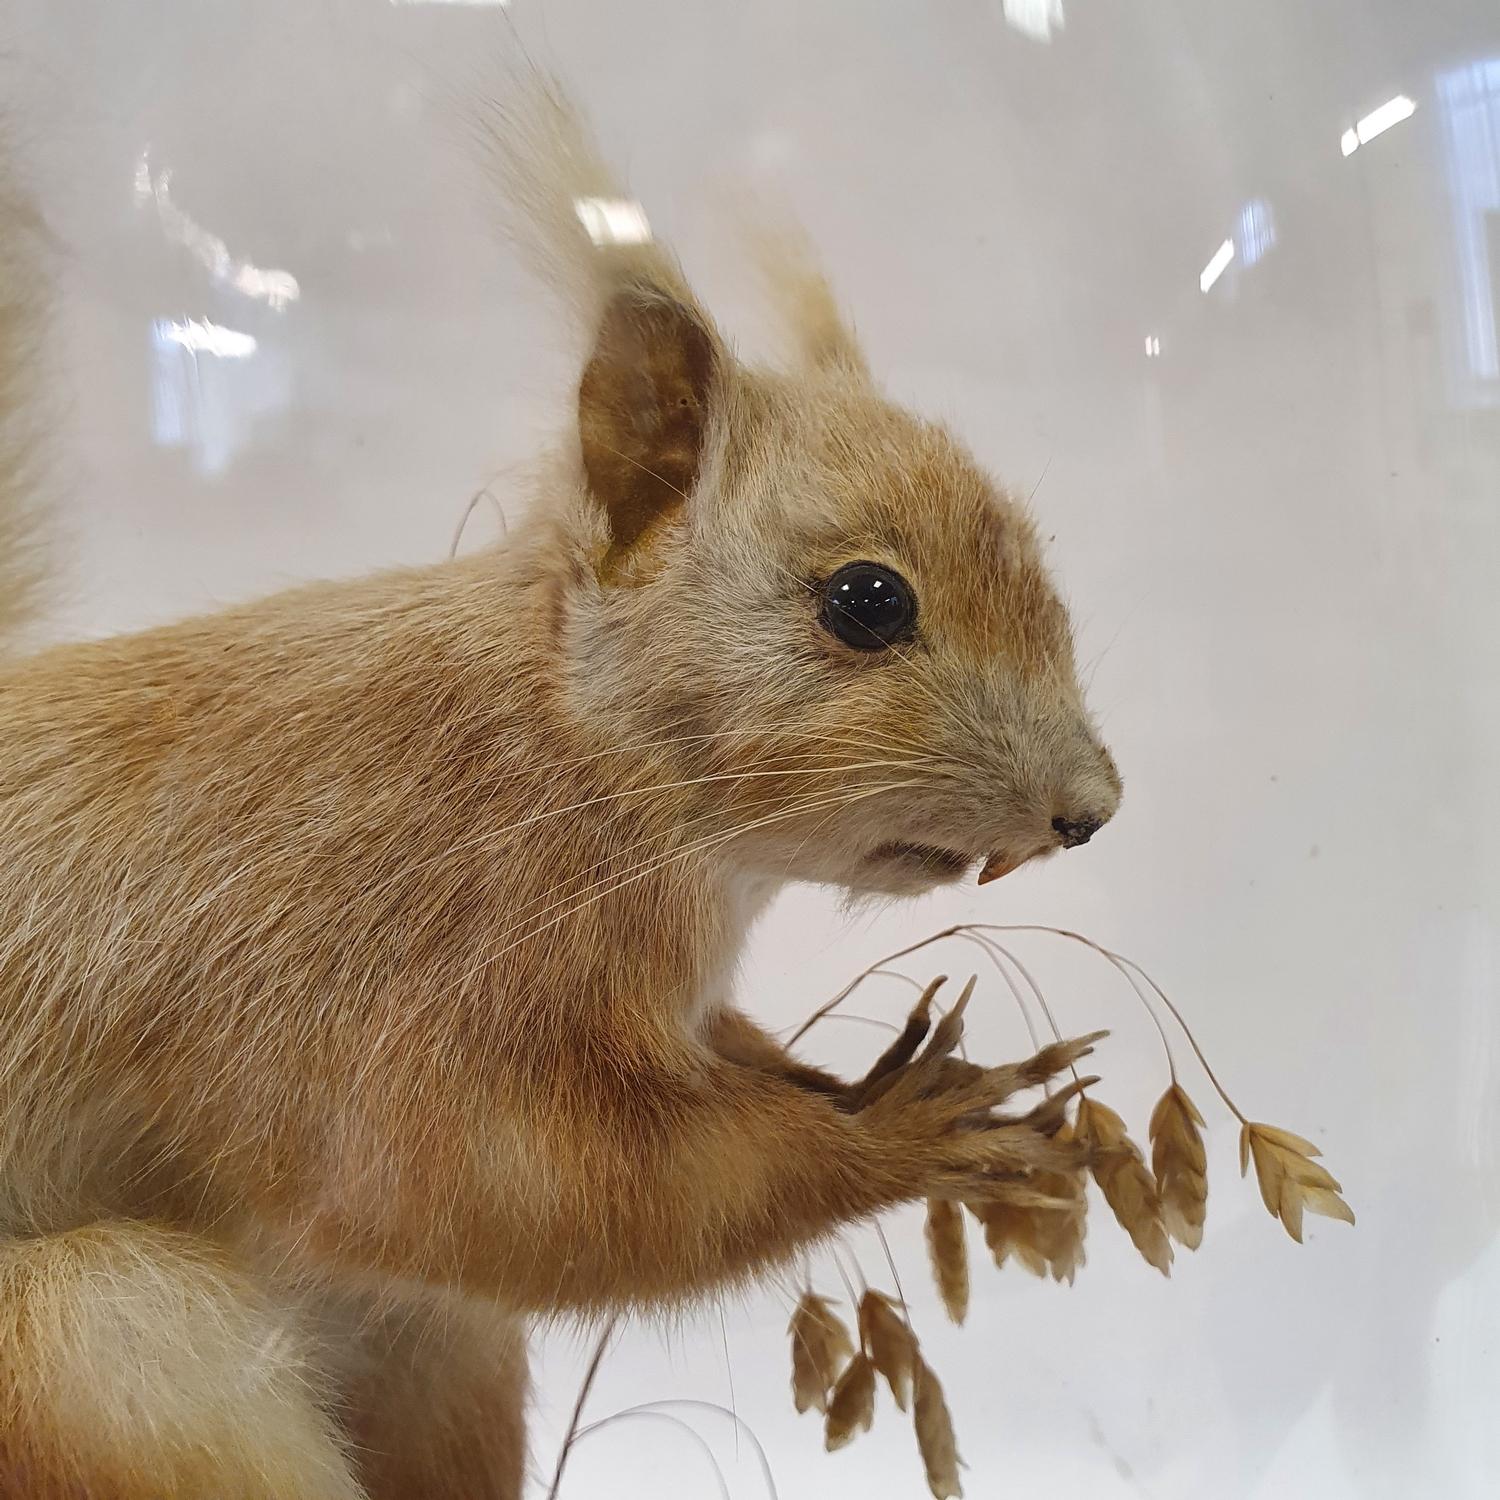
(933, 1116)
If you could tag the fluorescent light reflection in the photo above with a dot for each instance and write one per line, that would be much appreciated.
(613, 221)
(1217, 266)
(1037, 19)
(1377, 122)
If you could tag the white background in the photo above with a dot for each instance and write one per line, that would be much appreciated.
(1280, 535)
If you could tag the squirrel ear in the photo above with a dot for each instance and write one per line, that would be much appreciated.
(813, 325)
(643, 409)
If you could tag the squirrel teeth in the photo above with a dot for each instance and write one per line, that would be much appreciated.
(997, 865)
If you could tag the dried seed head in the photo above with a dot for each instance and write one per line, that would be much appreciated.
(891, 1344)
(1041, 1223)
(1289, 1180)
(1126, 1181)
(1060, 1229)
(1181, 1166)
(949, 1255)
(935, 1439)
(1010, 1231)
(851, 1408)
(821, 1346)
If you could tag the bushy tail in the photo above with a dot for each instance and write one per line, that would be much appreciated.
(23, 300)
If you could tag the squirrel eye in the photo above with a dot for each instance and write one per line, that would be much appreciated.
(868, 607)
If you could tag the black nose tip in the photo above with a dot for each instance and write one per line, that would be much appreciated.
(1071, 834)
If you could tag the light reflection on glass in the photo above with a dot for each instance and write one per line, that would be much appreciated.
(1469, 102)
(1037, 19)
(613, 221)
(1377, 122)
(202, 337)
(1254, 235)
(1254, 231)
(1216, 266)
(275, 288)
(207, 391)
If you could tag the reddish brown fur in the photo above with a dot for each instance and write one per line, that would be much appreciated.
(376, 938)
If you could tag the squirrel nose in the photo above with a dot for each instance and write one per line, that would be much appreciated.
(1070, 832)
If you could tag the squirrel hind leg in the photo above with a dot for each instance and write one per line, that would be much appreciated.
(433, 1395)
(138, 1363)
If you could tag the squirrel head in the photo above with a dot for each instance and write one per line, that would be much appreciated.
(829, 629)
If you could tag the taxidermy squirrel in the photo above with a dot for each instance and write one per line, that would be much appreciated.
(366, 952)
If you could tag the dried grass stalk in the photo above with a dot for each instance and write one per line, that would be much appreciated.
(949, 1254)
(1181, 1166)
(1289, 1180)
(1126, 1181)
(821, 1347)
(935, 1438)
(891, 1343)
(851, 1409)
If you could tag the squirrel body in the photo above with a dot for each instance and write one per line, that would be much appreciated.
(366, 951)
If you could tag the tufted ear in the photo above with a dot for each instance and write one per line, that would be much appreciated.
(812, 324)
(643, 413)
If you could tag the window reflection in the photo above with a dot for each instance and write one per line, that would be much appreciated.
(1469, 103)
(1254, 231)
(209, 386)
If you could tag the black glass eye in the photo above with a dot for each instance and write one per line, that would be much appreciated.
(868, 607)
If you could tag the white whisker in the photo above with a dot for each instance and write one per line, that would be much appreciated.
(651, 867)
(810, 802)
(495, 835)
